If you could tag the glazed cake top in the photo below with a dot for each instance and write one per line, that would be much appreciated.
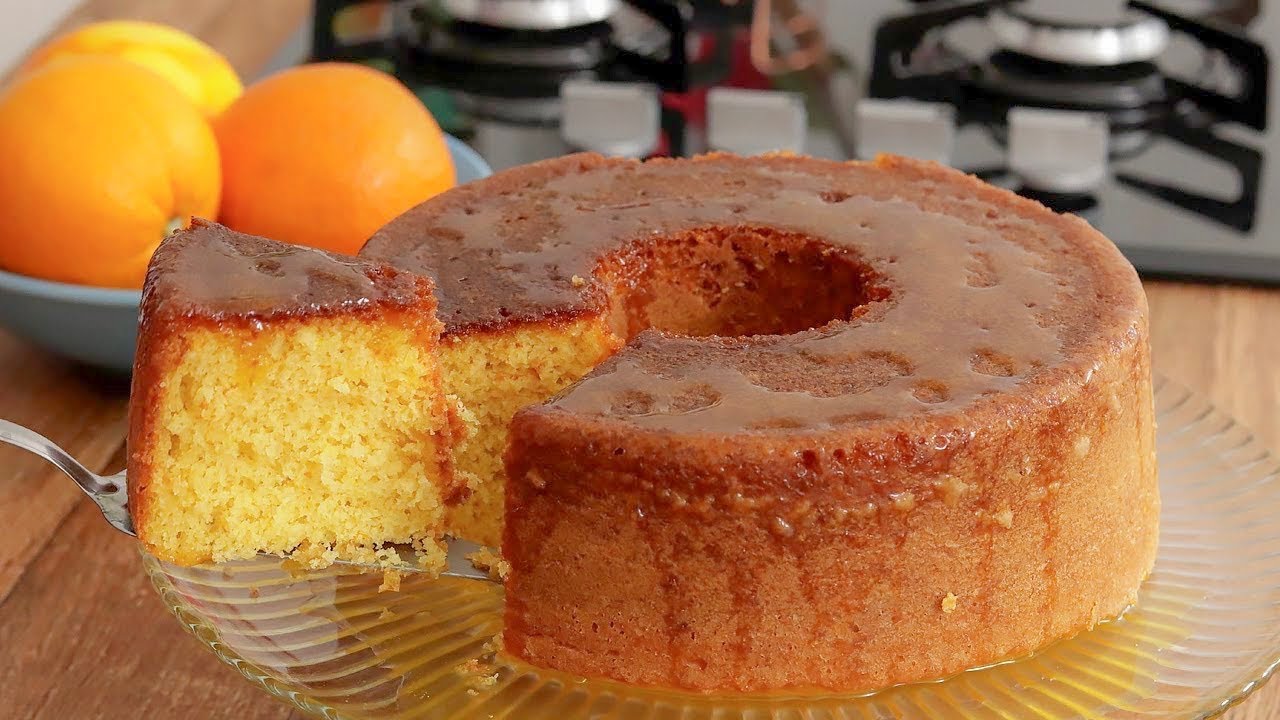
(984, 290)
(212, 272)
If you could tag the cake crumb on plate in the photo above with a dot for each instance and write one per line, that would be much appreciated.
(491, 562)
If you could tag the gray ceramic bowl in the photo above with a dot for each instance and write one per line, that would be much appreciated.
(98, 326)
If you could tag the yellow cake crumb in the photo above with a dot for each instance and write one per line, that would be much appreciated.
(477, 675)
(489, 561)
(390, 581)
(493, 376)
(431, 553)
(949, 603)
(467, 424)
(338, 403)
(492, 645)
(578, 281)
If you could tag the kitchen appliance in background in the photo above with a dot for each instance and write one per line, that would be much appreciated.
(493, 70)
(1148, 119)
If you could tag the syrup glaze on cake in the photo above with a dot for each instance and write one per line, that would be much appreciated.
(1016, 296)
(213, 273)
(285, 400)
(872, 422)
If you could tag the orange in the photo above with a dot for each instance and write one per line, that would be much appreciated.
(192, 66)
(325, 154)
(101, 159)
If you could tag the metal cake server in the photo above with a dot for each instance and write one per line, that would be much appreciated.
(110, 494)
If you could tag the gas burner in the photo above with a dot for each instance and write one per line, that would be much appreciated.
(1079, 34)
(1045, 58)
(505, 62)
(1146, 121)
(494, 69)
(1067, 58)
(505, 80)
(1132, 96)
(1131, 92)
(531, 14)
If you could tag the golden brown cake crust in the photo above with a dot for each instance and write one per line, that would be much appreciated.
(505, 251)
(215, 274)
(956, 469)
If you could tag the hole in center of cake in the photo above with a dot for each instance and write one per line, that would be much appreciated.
(737, 282)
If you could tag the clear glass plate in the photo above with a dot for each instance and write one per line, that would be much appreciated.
(1205, 631)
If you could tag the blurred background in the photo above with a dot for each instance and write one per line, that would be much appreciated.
(1149, 119)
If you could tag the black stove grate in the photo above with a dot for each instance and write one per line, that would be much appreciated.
(1144, 106)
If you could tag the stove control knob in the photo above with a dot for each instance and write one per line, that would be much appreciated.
(1059, 151)
(922, 130)
(612, 118)
(751, 122)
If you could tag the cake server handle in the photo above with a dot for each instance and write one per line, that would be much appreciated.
(109, 493)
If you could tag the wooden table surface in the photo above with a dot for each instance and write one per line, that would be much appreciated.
(83, 635)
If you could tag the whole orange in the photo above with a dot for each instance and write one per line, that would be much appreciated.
(101, 159)
(199, 71)
(325, 154)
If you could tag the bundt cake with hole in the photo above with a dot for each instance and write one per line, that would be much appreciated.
(860, 424)
(285, 400)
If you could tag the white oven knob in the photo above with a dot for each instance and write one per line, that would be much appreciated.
(1058, 151)
(751, 122)
(922, 130)
(613, 118)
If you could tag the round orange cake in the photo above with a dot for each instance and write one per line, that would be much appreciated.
(862, 423)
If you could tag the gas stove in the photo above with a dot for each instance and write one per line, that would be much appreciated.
(1148, 119)
(523, 80)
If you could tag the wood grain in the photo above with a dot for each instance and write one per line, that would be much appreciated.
(1223, 342)
(81, 412)
(85, 635)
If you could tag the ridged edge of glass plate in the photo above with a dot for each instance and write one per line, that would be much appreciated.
(1204, 634)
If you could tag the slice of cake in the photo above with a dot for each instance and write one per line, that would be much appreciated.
(285, 400)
